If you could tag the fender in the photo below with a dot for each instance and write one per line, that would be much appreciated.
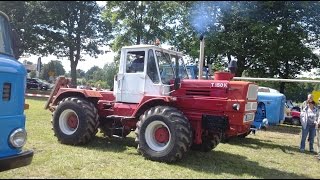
(68, 92)
(151, 101)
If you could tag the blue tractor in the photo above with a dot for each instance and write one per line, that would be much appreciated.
(13, 76)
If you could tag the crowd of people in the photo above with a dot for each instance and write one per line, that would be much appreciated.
(310, 122)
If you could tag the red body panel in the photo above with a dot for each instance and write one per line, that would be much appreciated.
(65, 92)
(214, 97)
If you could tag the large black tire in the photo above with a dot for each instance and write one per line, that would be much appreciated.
(163, 134)
(209, 142)
(296, 121)
(75, 121)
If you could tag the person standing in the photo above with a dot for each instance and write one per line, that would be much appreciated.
(309, 119)
(305, 103)
(318, 137)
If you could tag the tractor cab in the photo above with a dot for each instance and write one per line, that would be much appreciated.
(146, 70)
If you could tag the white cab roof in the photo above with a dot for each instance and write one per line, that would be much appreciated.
(159, 48)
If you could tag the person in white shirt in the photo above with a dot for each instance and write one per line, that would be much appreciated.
(309, 120)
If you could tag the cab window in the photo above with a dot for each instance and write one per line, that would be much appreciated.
(135, 62)
(152, 70)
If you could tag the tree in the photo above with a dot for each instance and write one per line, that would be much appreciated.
(53, 68)
(136, 22)
(91, 71)
(33, 74)
(110, 70)
(266, 38)
(287, 54)
(81, 73)
(66, 29)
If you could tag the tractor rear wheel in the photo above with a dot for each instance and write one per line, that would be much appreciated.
(75, 121)
(163, 134)
(209, 142)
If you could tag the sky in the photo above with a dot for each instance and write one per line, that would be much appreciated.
(89, 62)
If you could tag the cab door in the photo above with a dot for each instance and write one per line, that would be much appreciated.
(131, 77)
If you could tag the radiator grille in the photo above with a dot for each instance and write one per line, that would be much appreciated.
(198, 92)
(6, 95)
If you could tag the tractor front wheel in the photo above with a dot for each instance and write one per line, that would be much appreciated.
(75, 121)
(163, 134)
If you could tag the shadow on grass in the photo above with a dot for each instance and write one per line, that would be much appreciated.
(262, 144)
(286, 129)
(218, 162)
(113, 144)
(214, 162)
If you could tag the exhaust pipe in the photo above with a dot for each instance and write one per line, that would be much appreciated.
(201, 57)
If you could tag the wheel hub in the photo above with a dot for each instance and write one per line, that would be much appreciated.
(72, 121)
(162, 135)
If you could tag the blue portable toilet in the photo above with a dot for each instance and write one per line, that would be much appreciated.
(260, 119)
(271, 106)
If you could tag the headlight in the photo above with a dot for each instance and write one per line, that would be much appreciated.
(236, 106)
(248, 117)
(18, 138)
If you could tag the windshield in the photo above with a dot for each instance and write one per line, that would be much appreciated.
(183, 74)
(5, 40)
(166, 67)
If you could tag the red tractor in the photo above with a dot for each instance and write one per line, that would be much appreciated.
(168, 112)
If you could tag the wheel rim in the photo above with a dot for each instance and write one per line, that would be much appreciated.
(68, 122)
(158, 136)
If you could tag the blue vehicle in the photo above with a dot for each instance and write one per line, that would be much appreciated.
(270, 110)
(12, 101)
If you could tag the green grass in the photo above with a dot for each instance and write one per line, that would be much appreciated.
(268, 154)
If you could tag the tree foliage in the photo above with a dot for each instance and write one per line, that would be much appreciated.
(32, 74)
(267, 38)
(66, 29)
(53, 68)
(104, 76)
(136, 22)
